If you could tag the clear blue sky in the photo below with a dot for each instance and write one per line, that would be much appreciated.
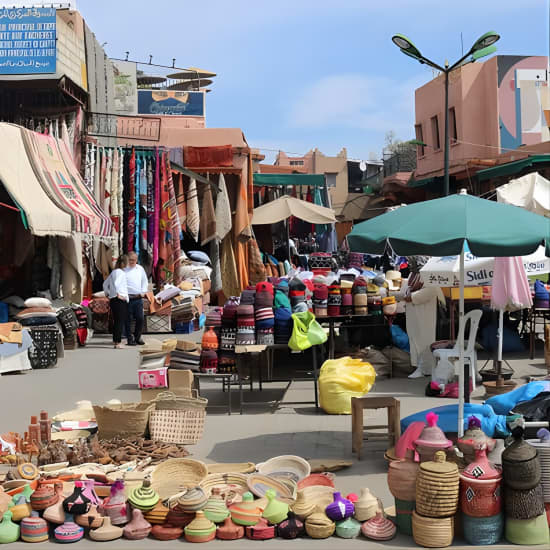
(301, 74)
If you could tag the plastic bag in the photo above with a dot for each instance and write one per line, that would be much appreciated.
(382, 364)
(306, 332)
(538, 409)
(444, 371)
(400, 338)
(503, 404)
(340, 380)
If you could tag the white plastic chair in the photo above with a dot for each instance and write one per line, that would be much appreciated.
(470, 354)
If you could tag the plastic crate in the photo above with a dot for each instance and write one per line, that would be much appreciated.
(158, 323)
(43, 352)
(184, 327)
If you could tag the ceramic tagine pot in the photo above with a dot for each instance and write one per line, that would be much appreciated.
(192, 500)
(319, 526)
(245, 512)
(379, 528)
(215, 509)
(77, 503)
(275, 511)
(145, 497)
(43, 496)
(69, 531)
(34, 529)
(22, 508)
(166, 532)
(365, 507)
(291, 527)
(261, 531)
(106, 532)
(340, 508)
(474, 438)
(302, 508)
(348, 528)
(230, 530)
(432, 439)
(115, 506)
(178, 518)
(139, 528)
(55, 513)
(92, 519)
(201, 529)
(157, 515)
(9, 531)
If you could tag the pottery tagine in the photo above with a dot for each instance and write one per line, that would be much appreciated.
(261, 531)
(201, 529)
(215, 509)
(9, 531)
(192, 500)
(275, 511)
(145, 497)
(245, 512)
(139, 528)
(106, 532)
(230, 530)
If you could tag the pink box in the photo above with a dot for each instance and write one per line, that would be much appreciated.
(153, 378)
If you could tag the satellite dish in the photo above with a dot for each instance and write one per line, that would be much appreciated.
(362, 166)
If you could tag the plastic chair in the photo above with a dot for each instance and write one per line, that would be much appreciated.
(470, 354)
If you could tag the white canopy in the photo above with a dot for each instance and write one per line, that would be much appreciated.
(284, 207)
(531, 192)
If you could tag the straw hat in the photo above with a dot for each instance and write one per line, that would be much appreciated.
(393, 278)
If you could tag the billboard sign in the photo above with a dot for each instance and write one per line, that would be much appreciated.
(27, 40)
(125, 87)
(170, 102)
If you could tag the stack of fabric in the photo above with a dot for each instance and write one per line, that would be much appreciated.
(37, 312)
(187, 355)
(360, 297)
(226, 358)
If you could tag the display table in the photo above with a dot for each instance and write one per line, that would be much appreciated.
(226, 381)
(536, 316)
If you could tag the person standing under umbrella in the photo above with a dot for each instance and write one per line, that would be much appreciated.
(138, 285)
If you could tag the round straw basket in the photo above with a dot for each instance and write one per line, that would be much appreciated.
(224, 482)
(524, 504)
(483, 531)
(434, 501)
(432, 533)
(123, 420)
(176, 474)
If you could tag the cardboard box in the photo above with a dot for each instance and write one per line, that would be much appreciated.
(153, 378)
(180, 382)
(206, 285)
(470, 292)
(199, 304)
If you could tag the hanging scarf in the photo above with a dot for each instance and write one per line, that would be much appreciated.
(228, 268)
(108, 179)
(150, 208)
(122, 219)
(193, 216)
(208, 217)
(131, 220)
(156, 240)
(139, 163)
(223, 210)
(180, 199)
(143, 208)
(125, 201)
(103, 175)
(166, 259)
(216, 277)
(114, 186)
(174, 227)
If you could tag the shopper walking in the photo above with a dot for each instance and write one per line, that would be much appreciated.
(116, 290)
(137, 282)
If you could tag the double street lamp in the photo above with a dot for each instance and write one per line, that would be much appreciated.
(482, 47)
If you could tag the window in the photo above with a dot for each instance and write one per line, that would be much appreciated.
(296, 163)
(452, 125)
(419, 137)
(435, 133)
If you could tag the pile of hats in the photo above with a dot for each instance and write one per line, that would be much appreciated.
(297, 293)
(346, 288)
(226, 357)
(246, 325)
(320, 296)
(282, 313)
(263, 313)
(360, 301)
(542, 296)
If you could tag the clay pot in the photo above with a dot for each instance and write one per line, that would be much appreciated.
(44, 496)
(77, 503)
(379, 528)
(230, 530)
(9, 531)
(178, 518)
(302, 508)
(275, 511)
(69, 531)
(106, 532)
(157, 515)
(366, 506)
(291, 527)
(261, 531)
(340, 508)
(139, 528)
(348, 528)
(215, 509)
(166, 532)
(55, 513)
(34, 529)
(402, 479)
(92, 519)
(201, 529)
(245, 512)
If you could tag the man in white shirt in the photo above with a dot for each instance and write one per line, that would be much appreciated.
(136, 280)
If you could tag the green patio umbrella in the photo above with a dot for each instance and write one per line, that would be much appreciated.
(440, 227)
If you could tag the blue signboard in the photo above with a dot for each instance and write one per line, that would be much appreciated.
(27, 40)
(170, 102)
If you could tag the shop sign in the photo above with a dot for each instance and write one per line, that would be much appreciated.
(27, 40)
(170, 102)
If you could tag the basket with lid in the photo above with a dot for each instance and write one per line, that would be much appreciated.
(437, 487)
(543, 447)
(431, 532)
(432, 439)
(520, 464)
(474, 438)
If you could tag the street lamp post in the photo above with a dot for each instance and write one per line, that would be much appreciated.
(482, 47)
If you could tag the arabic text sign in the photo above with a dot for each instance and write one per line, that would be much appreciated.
(27, 40)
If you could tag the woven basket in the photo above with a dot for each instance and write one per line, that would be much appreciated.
(124, 420)
(482, 531)
(178, 419)
(524, 504)
(177, 474)
(436, 501)
(237, 481)
(403, 515)
(432, 533)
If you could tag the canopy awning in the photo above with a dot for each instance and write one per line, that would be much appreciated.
(511, 168)
(312, 180)
(281, 209)
(16, 173)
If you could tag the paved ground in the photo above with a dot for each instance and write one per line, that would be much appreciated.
(99, 373)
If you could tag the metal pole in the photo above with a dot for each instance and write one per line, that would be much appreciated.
(461, 373)
(447, 137)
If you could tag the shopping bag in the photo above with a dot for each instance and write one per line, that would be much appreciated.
(306, 332)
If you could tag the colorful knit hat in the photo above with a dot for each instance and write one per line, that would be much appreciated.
(360, 302)
(263, 299)
(282, 285)
(359, 286)
(320, 299)
(265, 336)
(209, 361)
(297, 291)
(264, 318)
(210, 339)
(246, 326)
(283, 325)
(248, 297)
(264, 286)
(334, 300)
(281, 300)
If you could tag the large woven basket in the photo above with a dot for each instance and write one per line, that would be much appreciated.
(124, 420)
(178, 419)
(524, 504)
(176, 475)
(432, 532)
(481, 531)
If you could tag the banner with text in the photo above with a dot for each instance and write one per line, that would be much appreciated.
(170, 102)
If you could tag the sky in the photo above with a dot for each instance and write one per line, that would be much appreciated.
(296, 75)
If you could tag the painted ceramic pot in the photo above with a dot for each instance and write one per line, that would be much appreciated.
(34, 529)
(348, 528)
(157, 515)
(291, 527)
(215, 509)
(145, 497)
(139, 528)
(55, 513)
(44, 496)
(21, 510)
(92, 519)
(201, 529)
(166, 532)
(319, 526)
(69, 531)
(193, 500)
(340, 508)
(245, 512)
(366, 506)
(261, 531)
(9, 531)
(230, 530)
(77, 503)
(89, 490)
(302, 507)
(275, 511)
(379, 528)
(106, 532)
(178, 518)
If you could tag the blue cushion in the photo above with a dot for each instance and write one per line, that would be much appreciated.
(199, 256)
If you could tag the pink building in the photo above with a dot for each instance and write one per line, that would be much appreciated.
(494, 107)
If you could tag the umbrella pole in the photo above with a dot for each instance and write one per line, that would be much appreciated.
(288, 241)
(462, 379)
(500, 338)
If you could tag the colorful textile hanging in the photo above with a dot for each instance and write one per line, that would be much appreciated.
(143, 188)
(208, 217)
(180, 199)
(208, 157)
(150, 208)
(223, 210)
(228, 266)
(156, 239)
(174, 227)
(131, 220)
(139, 163)
(193, 216)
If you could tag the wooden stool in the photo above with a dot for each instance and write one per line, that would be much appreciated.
(358, 434)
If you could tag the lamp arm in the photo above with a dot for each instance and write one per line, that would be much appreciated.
(432, 64)
(455, 65)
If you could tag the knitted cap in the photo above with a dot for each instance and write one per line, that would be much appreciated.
(263, 299)
(265, 337)
(282, 285)
(247, 297)
(209, 361)
(264, 313)
(281, 300)
(264, 286)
